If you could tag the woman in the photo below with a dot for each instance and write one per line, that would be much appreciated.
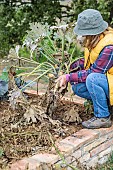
(94, 80)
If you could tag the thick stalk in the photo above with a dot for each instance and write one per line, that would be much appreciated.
(63, 45)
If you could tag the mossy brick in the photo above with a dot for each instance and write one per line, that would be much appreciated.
(91, 163)
(101, 147)
(105, 152)
(84, 158)
(74, 164)
(77, 154)
(103, 160)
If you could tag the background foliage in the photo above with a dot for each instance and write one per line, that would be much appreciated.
(16, 16)
(105, 8)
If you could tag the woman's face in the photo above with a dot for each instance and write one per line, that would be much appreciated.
(81, 39)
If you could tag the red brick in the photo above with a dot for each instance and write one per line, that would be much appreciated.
(65, 148)
(46, 158)
(92, 162)
(23, 164)
(105, 152)
(101, 147)
(103, 160)
(77, 154)
(73, 157)
(95, 143)
(76, 99)
(104, 131)
(33, 92)
(80, 138)
(110, 135)
(85, 158)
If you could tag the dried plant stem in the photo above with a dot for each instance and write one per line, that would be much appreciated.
(59, 153)
(63, 45)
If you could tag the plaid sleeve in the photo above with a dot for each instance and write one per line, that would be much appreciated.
(79, 63)
(103, 63)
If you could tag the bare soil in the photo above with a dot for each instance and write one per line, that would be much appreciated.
(30, 138)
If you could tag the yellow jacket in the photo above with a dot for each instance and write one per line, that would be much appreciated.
(90, 58)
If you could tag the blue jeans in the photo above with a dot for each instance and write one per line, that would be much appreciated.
(96, 89)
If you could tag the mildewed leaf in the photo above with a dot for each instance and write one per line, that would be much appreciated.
(4, 76)
(1, 151)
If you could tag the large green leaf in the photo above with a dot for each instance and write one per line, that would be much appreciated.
(4, 76)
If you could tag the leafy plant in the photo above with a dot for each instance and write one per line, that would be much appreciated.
(1, 152)
(45, 56)
(49, 69)
(4, 75)
(88, 106)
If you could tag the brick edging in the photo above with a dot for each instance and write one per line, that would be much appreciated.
(77, 100)
(88, 147)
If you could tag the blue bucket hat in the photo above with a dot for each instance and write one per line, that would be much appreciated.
(90, 22)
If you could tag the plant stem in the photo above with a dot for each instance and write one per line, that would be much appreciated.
(63, 45)
(52, 43)
(36, 79)
(59, 153)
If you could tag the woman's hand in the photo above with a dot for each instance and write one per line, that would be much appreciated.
(62, 81)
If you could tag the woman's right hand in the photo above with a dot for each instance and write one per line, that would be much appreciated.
(61, 81)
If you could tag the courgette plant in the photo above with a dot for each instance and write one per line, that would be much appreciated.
(49, 51)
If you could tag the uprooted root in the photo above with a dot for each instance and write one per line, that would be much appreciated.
(46, 107)
(42, 112)
(53, 96)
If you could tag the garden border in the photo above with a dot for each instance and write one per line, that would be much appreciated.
(86, 147)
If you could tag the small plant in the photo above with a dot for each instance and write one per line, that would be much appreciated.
(88, 106)
(1, 152)
(108, 165)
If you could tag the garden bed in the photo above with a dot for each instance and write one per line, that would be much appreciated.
(31, 138)
(35, 140)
